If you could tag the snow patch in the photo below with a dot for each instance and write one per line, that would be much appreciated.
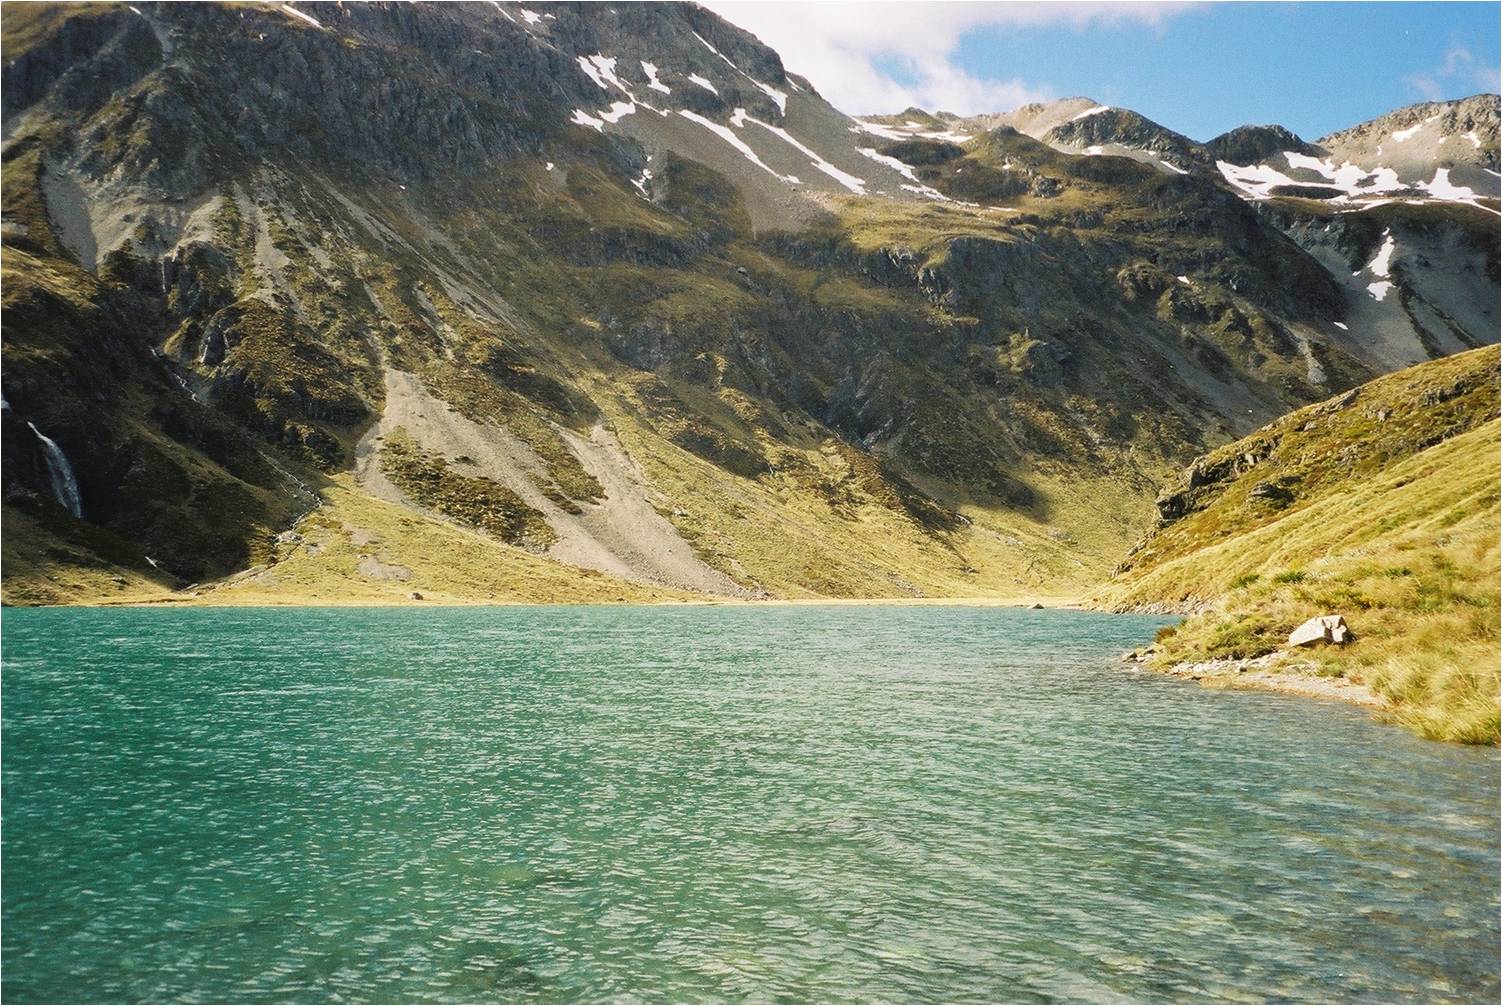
(1404, 135)
(531, 17)
(854, 184)
(1256, 180)
(907, 173)
(780, 97)
(617, 111)
(728, 135)
(1298, 160)
(289, 9)
(1383, 180)
(1185, 280)
(703, 83)
(907, 131)
(583, 118)
(1442, 188)
(1348, 177)
(949, 136)
(1379, 290)
(898, 166)
(1091, 111)
(1382, 264)
(650, 69)
(1475, 140)
(1342, 326)
(714, 50)
(601, 70)
(877, 129)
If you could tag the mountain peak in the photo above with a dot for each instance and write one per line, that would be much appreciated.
(1250, 144)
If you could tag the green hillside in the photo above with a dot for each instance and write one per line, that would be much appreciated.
(1381, 505)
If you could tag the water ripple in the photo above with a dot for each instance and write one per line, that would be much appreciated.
(828, 804)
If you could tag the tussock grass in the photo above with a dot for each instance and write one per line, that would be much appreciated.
(1405, 547)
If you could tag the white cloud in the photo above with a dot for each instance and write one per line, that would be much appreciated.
(883, 57)
(1460, 71)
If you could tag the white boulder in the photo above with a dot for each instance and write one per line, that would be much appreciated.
(1322, 629)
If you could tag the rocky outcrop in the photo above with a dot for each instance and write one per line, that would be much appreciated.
(1125, 128)
(1251, 144)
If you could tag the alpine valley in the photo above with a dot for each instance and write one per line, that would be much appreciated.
(370, 303)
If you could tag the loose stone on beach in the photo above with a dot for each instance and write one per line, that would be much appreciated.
(1322, 629)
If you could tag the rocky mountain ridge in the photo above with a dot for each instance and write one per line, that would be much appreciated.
(1402, 210)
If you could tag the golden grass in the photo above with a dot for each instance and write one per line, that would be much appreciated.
(817, 527)
(41, 567)
(444, 562)
(1409, 556)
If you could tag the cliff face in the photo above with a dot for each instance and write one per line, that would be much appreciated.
(597, 285)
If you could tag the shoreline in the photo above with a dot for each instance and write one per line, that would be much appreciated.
(1275, 672)
(207, 601)
(1279, 673)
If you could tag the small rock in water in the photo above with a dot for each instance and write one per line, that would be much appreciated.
(1322, 629)
(1035, 606)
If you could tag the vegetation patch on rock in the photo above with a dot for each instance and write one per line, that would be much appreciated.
(484, 504)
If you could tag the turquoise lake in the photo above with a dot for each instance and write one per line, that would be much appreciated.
(693, 803)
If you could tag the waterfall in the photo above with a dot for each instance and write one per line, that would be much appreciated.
(64, 485)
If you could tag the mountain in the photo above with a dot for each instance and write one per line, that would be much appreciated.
(1440, 148)
(571, 302)
(1402, 210)
(1072, 125)
(1380, 504)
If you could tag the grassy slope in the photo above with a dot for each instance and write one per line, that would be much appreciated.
(1391, 520)
(439, 559)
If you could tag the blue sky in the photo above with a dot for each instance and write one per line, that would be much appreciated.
(1197, 68)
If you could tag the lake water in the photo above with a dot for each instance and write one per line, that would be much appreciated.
(699, 803)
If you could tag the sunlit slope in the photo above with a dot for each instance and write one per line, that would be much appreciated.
(1380, 505)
